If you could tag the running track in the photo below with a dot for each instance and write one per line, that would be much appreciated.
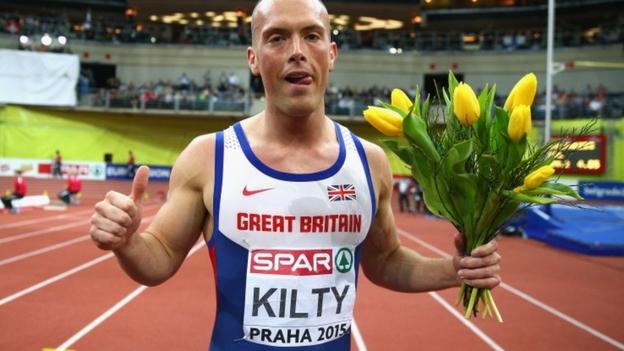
(59, 290)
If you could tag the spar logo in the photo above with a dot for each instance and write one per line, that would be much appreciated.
(344, 260)
(291, 262)
(301, 262)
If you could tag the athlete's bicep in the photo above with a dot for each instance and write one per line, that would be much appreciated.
(181, 219)
(382, 239)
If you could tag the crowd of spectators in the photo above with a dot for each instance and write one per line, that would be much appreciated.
(107, 29)
(590, 102)
(228, 95)
(186, 93)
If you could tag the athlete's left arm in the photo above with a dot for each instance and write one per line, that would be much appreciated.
(394, 266)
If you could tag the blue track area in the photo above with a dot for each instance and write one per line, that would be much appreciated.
(593, 230)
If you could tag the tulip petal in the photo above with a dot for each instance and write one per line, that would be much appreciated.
(399, 99)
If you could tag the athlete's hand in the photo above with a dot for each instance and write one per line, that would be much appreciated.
(118, 216)
(481, 268)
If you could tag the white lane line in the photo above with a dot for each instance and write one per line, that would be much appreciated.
(44, 219)
(60, 276)
(50, 230)
(357, 336)
(51, 247)
(55, 279)
(42, 231)
(528, 298)
(563, 316)
(466, 322)
(104, 316)
(43, 250)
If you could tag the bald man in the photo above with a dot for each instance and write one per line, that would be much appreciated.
(290, 203)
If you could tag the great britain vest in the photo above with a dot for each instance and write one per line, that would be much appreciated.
(285, 247)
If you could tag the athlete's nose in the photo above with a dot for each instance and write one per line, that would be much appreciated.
(297, 54)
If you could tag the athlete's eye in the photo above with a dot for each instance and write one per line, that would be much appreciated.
(313, 37)
(275, 39)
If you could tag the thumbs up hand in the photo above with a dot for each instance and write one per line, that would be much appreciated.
(118, 216)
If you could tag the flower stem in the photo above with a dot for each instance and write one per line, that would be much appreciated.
(471, 303)
(491, 301)
(460, 297)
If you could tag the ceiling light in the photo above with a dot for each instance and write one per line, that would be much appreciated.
(46, 40)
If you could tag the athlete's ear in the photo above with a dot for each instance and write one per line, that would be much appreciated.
(252, 61)
(333, 55)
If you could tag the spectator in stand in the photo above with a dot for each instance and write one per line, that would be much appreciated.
(184, 82)
(131, 165)
(57, 165)
(74, 186)
(20, 190)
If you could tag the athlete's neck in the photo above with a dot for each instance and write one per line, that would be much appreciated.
(272, 125)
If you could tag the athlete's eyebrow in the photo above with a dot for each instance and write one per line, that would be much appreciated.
(281, 30)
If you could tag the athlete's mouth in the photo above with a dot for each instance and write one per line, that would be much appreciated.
(299, 78)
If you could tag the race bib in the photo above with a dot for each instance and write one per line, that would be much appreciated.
(296, 297)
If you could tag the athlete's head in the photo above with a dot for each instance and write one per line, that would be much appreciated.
(292, 52)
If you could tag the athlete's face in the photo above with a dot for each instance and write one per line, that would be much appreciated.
(293, 54)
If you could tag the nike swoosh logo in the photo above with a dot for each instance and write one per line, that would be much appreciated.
(253, 192)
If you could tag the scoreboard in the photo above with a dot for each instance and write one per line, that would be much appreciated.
(585, 155)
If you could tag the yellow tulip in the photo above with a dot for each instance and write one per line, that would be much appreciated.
(522, 93)
(519, 122)
(388, 122)
(465, 104)
(536, 178)
(399, 99)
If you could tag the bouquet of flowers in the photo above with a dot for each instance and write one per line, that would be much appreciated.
(476, 169)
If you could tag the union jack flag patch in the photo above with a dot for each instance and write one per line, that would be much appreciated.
(341, 192)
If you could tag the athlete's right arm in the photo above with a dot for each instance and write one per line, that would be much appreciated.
(151, 257)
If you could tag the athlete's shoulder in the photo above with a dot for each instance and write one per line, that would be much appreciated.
(377, 163)
(374, 153)
(196, 162)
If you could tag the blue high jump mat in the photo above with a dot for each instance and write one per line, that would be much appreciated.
(592, 230)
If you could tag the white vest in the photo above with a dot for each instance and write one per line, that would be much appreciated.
(302, 233)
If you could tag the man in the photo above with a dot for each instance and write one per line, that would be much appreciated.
(131, 165)
(404, 187)
(57, 165)
(74, 186)
(19, 191)
(289, 203)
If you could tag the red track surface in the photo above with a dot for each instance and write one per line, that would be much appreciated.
(582, 293)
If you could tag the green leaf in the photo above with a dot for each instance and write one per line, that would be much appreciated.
(498, 136)
(404, 153)
(521, 197)
(423, 172)
(553, 188)
(488, 165)
(456, 157)
(515, 152)
(425, 109)
(415, 130)
(416, 107)
(452, 82)
(508, 210)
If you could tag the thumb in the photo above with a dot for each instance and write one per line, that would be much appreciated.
(139, 184)
(460, 244)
